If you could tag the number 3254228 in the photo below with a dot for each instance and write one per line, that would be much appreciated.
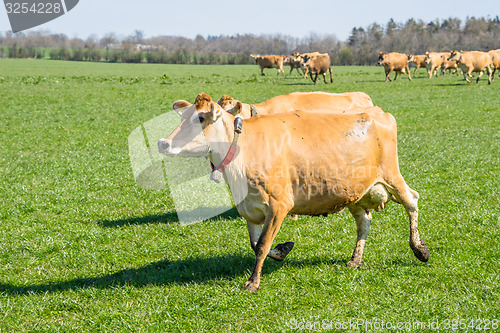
(35, 8)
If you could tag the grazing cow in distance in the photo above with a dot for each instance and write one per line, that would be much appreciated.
(301, 56)
(305, 101)
(318, 64)
(418, 60)
(434, 61)
(299, 163)
(451, 66)
(393, 61)
(295, 62)
(472, 61)
(269, 61)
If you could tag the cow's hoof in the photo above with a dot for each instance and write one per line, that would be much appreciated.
(280, 252)
(420, 251)
(251, 286)
(354, 264)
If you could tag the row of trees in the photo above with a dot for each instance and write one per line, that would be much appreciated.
(361, 48)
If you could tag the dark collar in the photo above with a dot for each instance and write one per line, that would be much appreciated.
(216, 174)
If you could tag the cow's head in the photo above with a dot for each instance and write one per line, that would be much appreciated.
(411, 58)
(305, 58)
(201, 127)
(381, 57)
(255, 56)
(427, 58)
(230, 105)
(455, 56)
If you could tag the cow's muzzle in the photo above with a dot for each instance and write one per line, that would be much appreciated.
(165, 147)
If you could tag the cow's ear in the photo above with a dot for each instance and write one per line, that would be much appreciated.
(238, 109)
(180, 105)
(216, 111)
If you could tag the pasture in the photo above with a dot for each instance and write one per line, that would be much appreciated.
(82, 248)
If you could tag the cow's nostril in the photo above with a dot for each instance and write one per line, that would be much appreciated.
(163, 145)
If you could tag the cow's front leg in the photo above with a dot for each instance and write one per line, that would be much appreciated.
(279, 253)
(274, 217)
(363, 220)
(315, 77)
(467, 74)
(387, 73)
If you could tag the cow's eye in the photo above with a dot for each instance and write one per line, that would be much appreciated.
(201, 118)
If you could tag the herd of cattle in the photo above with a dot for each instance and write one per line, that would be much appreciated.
(468, 61)
(305, 153)
(316, 63)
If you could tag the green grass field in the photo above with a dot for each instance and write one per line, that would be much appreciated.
(83, 249)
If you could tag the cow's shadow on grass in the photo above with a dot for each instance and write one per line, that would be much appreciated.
(167, 272)
(169, 217)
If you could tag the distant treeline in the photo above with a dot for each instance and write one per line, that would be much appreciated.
(361, 48)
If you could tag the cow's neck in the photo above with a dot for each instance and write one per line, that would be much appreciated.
(234, 174)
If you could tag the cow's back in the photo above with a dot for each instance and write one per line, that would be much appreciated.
(315, 100)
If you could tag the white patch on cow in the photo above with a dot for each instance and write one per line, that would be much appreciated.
(360, 130)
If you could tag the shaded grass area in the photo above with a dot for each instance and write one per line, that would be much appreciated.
(82, 248)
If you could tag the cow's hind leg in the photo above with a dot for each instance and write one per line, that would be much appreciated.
(479, 76)
(363, 219)
(409, 199)
(490, 75)
(408, 70)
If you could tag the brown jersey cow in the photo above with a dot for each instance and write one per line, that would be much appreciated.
(269, 61)
(495, 62)
(418, 60)
(397, 62)
(319, 64)
(295, 62)
(472, 61)
(434, 61)
(302, 163)
(451, 66)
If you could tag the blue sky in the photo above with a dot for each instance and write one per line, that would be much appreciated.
(216, 17)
